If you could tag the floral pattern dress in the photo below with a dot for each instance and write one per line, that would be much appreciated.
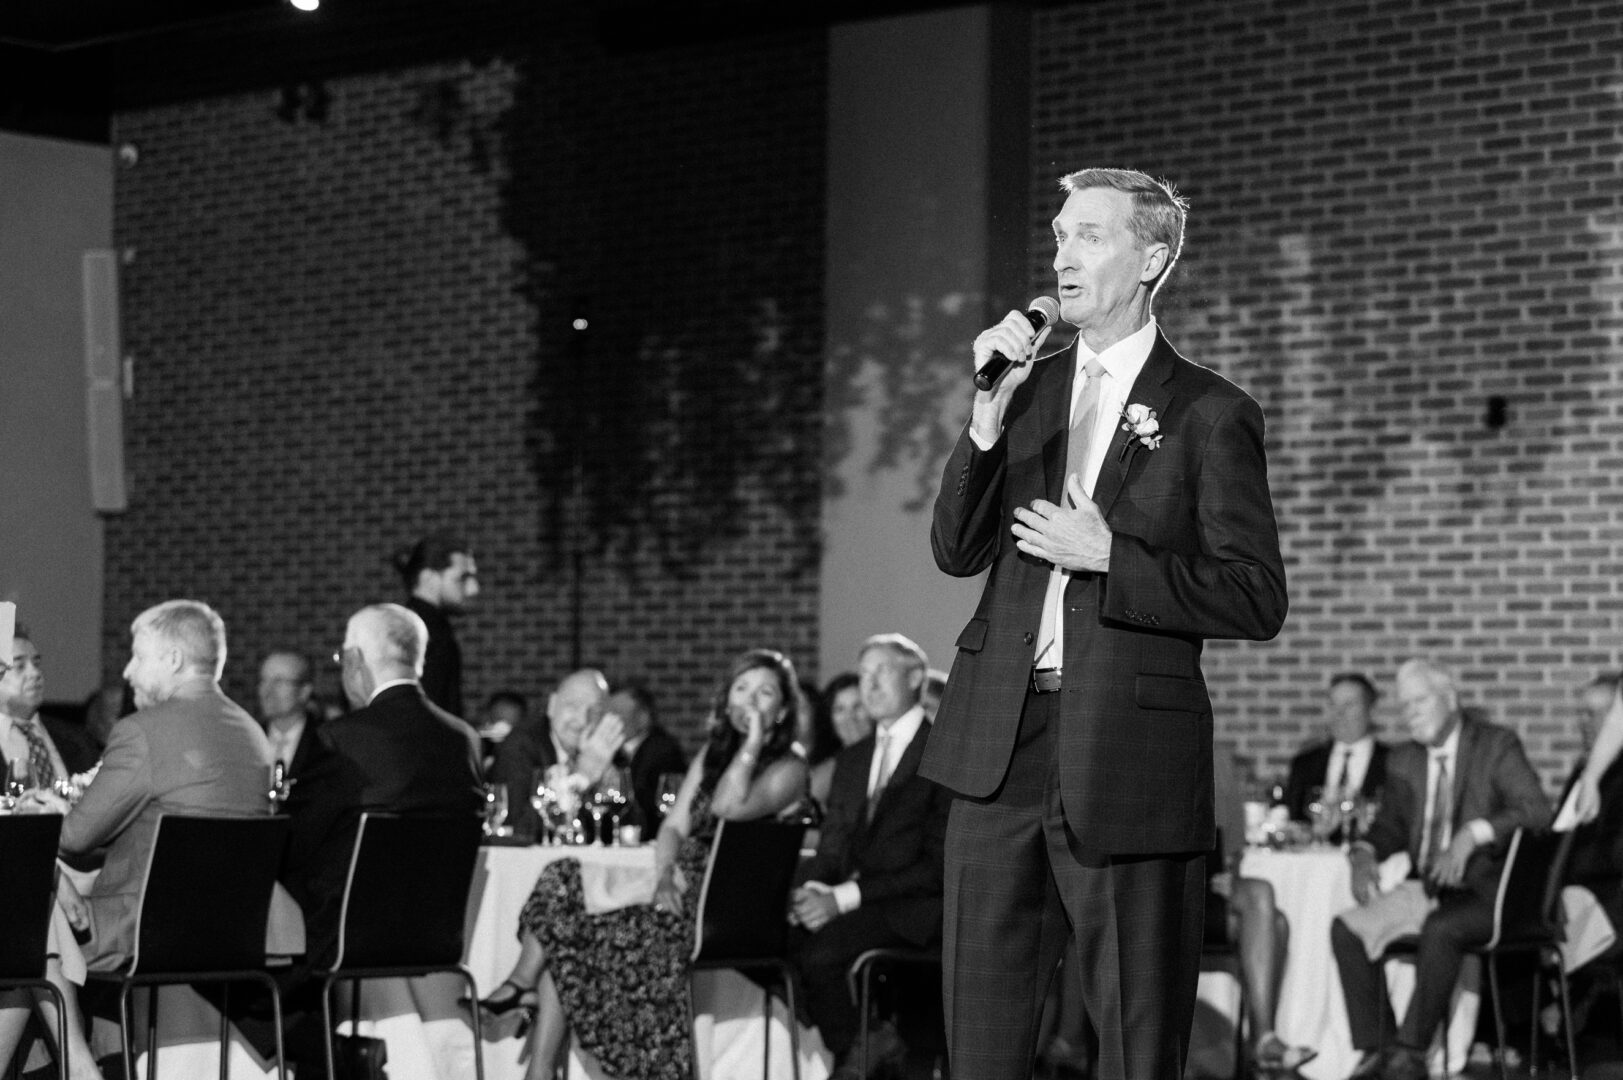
(622, 976)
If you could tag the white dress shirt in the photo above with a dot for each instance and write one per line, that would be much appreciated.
(1356, 755)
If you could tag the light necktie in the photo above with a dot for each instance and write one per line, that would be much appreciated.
(882, 775)
(39, 755)
(1076, 461)
(1437, 828)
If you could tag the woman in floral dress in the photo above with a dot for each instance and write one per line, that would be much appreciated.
(618, 980)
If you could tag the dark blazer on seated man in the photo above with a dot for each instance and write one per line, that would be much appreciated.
(398, 754)
(1310, 768)
(657, 754)
(1491, 792)
(883, 853)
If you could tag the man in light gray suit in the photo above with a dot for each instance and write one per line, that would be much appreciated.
(189, 749)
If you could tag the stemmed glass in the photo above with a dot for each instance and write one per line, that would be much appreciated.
(19, 780)
(670, 785)
(550, 805)
(496, 810)
(1324, 814)
(610, 800)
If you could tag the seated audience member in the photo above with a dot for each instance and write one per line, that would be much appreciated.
(1603, 752)
(839, 722)
(618, 980)
(1242, 910)
(397, 752)
(22, 689)
(1453, 798)
(291, 725)
(1596, 858)
(571, 710)
(106, 706)
(876, 879)
(1350, 760)
(25, 744)
(503, 713)
(648, 752)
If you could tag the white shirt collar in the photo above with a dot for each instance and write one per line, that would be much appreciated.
(1122, 361)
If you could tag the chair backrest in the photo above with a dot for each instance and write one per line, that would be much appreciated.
(27, 891)
(1527, 910)
(744, 901)
(406, 899)
(207, 893)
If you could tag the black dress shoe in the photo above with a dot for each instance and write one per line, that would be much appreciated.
(1405, 1064)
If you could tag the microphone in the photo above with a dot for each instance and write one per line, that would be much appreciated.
(1042, 311)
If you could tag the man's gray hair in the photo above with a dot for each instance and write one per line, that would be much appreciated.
(190, 626)
(900, 644)
(1434, 675)
(1159, 212)
(390, 635)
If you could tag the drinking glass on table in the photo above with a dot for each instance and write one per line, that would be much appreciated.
(496, 810)
(1323, 814)
(554, 806)
(19, 780)
(670, 785)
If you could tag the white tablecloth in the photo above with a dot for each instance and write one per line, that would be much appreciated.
(1312, 887)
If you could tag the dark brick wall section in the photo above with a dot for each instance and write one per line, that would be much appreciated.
(1401, 210)
(349, 331)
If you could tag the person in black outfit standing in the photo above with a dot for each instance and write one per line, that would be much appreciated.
(441, 577)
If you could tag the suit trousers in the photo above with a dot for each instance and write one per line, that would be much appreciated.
(1461, 921)
(823, 959)
(1020, 883)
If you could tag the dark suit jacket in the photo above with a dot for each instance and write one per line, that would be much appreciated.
(657, 754)
(1307, 772)
(197, 753)
(1195, 555)
(896, 858)
(1596, 859)
(309, 740)
(523, 751)
(442, 660)
(400, 754)
(1492, 781)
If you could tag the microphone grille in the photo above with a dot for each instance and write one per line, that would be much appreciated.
(1047, 307)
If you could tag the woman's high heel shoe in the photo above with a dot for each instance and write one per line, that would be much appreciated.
(521, 1000)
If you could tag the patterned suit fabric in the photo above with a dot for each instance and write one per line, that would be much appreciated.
(1101, 819)
(197, 753)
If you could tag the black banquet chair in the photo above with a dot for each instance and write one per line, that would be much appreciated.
(741, 921)
(405, 908)
(27, 892)
(201, 918)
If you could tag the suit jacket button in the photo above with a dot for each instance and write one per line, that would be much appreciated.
(1027, 638)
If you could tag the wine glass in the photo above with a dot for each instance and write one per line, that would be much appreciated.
(19, 779)
(1324, 815)
(552, 807)
(496, 809)
(670, 785)
(612, 796)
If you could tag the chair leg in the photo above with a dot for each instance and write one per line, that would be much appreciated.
(1532, 1046)
(1498, 1016)
(124, 1022)
(864, 1003)
(766, 1035)
(478, 1031)
(276, 1017)
(326, 1024)
(1566, 1017)
(152, 1031)
(61, 1034)
(794, 1023)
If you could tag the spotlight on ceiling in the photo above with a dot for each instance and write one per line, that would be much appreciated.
(305, 5)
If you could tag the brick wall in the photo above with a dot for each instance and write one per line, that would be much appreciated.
(1402, 209)
(353, 329)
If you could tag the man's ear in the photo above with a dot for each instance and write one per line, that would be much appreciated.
(1155, 262)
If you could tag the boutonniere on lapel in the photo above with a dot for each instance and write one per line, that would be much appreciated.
(1140, 422)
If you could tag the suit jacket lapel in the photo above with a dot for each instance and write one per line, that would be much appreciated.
(1152, 388)
(1054, 419)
